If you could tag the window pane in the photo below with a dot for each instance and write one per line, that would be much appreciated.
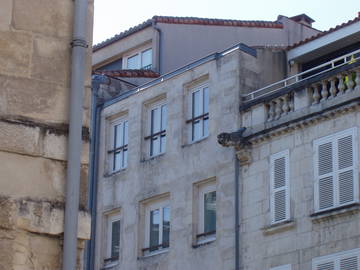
(146, 59)
(155, 120)
(118, 161)
(163, 117)
(196, 104)
(166, 226)
(206, 100)
(118, 135)
(125, 157)
(196, 130)
(155, 146)
(206, 127)
(115, 239)
(154, 229)
(133, 62)
(162, 143)
(125, 132)
(210, 212)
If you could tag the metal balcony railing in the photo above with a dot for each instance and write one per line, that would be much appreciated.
(328, 66)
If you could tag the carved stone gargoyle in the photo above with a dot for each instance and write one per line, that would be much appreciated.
(236, 139)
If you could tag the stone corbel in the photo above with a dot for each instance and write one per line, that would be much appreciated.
(243, 155)
(241, 145)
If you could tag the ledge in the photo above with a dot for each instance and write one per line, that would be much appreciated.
(154, 253)
(331, 214)
(204, 243)
(279, 227)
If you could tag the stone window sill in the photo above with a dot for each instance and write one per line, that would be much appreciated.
(107, 175)
(279, 227)
(335, 213)
(153, 158)
(204, 242)
(154, 253)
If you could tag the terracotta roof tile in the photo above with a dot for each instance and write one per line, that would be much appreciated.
(128, 73)
(187, 20)
(357, 19)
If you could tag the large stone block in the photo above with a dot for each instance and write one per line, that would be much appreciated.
(51, 60)
(5, 14)
(19, 138)
(48, 17)
(34, 98)
(15, 54)
(24, 176)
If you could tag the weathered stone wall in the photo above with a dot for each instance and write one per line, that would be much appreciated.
(305, 237)
(35, 57)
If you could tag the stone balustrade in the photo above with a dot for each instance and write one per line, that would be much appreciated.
(334, 86)
(308, 97)
(279, 107)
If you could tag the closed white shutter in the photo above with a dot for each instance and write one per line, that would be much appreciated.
(346, 260)
(350, 263)
(335, 170)
(279, 187)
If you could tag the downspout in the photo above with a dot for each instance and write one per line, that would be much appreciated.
(96, 107)
(158, 49)
(74, 149)
(240, 144)
(237, 213)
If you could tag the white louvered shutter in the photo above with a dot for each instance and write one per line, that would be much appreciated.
(325, 173)
(326, 266)
(345, 170)
(345, 260)
(335, 170)
(279, 187)
(350, 263)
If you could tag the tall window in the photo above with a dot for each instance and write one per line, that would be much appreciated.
(140, 60)
(336, 177)
(113, 239)
(119, 145)
(157, 137)
(346, 260)
(157, 231)
(279, 187)
(199, 120)
(206, 212)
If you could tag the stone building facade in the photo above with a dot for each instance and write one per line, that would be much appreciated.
(283, 194)
(35, 57)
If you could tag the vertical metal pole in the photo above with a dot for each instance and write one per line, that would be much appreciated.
(75, 134)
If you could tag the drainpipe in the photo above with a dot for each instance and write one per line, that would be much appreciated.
(237, 214)
(96, 107)
(236, 140)
(79, 46)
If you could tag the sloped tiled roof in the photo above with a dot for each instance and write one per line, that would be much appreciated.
(129, 73)
(357, 19)
(187, 20)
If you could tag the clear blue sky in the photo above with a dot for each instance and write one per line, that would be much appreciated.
(115, 16)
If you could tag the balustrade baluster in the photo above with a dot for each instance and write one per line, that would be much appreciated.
(357, 81)
(332, 89)
(316, 95)
(324, 91)
(350, 83)
(285, 107)
(341, 85)
(271, 111)
(278, 109)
